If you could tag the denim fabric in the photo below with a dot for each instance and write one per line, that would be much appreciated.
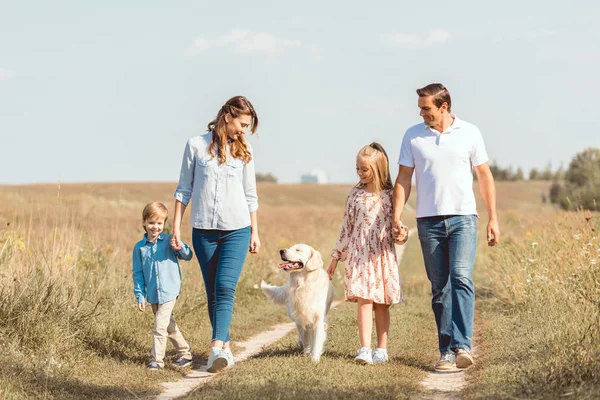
(221, 255)
(156, 274)
(222, 195)
(448, 244)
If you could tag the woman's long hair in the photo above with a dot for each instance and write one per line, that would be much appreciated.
(236, 106)
(379, 163)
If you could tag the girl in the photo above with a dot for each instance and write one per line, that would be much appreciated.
(366, 246)
(217, 174)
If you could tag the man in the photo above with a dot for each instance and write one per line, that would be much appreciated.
(442, 151)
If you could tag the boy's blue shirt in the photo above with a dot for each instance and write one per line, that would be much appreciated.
(156, 274)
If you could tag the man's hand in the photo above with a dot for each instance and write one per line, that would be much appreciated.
(399, 232)
(493, 233)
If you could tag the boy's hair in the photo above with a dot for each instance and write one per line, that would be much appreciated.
(154, 209)
(379, 163)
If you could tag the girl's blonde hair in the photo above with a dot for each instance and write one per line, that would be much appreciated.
(154, 209)
(236, 106)
(380, 166)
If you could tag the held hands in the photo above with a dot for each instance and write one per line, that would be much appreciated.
(254, 243)
(332, 267)
(175, 240)
(493, 232)
(399, 232)
(142, 306)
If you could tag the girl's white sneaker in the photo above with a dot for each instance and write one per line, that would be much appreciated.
(380, 356)
(365, 356)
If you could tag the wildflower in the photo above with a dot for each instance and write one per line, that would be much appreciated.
(255, 286)
(576, 236)
(534, 245)
(593, 262)
(531, 260)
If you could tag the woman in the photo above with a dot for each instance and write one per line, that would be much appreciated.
(217, 174)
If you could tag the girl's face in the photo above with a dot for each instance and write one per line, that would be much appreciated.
(236, 127)
(154, 226)
(363, 169)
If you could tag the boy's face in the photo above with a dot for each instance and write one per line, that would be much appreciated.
(154, 226)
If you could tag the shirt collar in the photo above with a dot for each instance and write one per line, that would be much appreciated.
(160, 237)
(455, 125)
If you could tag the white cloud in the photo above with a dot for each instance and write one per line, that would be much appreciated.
(413, 41)
(539, 34)
(246, 42)
(6, 74)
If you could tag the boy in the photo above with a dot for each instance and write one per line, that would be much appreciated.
(156, 276)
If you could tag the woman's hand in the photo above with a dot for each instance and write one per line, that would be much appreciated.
(332, 267)
(175, 239)
(254, 243)
(142, 306)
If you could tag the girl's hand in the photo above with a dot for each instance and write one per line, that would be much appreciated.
(142, 306)
(332, 267)
(401, 235)
(175, 239)
(254, 243)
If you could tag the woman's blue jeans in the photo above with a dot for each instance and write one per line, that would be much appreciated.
(448, 243)
(221, 255)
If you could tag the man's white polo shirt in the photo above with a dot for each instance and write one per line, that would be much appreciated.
(443, 164)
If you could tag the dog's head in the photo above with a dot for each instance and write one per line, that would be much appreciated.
(300, 257)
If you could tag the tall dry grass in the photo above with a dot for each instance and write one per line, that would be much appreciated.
(68, 323)
(542, 323)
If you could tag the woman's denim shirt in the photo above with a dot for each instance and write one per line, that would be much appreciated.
(223, 195)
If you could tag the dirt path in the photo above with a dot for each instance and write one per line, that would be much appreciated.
(252, 346)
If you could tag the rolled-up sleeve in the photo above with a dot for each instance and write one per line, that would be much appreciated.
(249, 182)
(183, 193)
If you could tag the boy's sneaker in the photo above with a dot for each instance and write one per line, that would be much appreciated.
(365, 356)
(229, 355)
(217, 360)
(447, 362)
(182, 362)
(380, 356)
(154, 366)
(464, 359)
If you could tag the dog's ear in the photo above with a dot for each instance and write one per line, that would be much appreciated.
(315, 261)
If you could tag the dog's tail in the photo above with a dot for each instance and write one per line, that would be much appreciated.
(277, 294)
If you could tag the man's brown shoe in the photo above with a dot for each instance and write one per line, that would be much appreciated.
(464, 359)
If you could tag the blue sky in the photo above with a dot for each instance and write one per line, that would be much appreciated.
(111, 90)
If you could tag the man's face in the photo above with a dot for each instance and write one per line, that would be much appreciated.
(430, 113)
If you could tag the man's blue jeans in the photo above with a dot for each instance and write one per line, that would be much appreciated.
(448, 243)
(221, 255)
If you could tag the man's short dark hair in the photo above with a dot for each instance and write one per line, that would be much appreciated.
(439, 92)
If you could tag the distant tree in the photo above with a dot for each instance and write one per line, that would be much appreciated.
(534, 175)
(519, 176)
(267, 177)
(559, 175)
(581, 187)
(547, 175)
(506, 174)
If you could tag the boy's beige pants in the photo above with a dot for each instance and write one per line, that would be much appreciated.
(165, 326)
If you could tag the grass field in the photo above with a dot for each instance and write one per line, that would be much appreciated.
(69, 327)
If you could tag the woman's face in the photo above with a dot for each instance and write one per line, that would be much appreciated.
(236, 127)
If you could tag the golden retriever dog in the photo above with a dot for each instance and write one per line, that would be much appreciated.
(308, 294)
